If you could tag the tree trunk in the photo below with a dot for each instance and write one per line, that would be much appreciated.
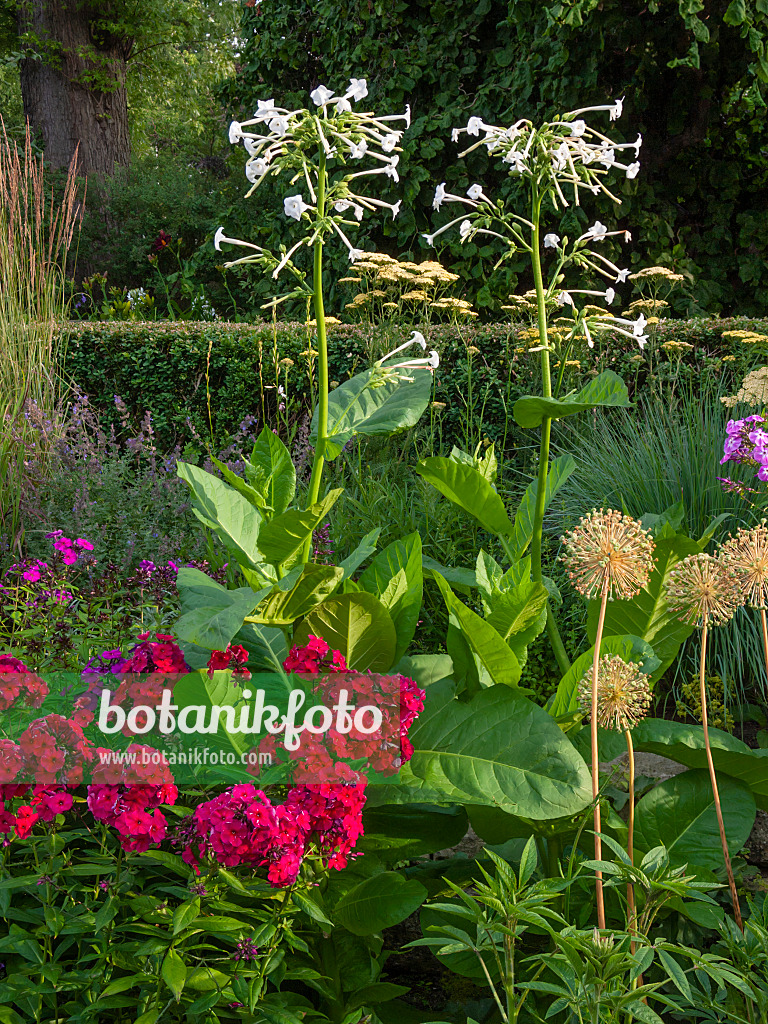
(75, 95)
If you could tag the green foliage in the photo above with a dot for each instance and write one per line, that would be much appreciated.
(703, 210)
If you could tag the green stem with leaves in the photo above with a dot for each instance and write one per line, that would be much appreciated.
(558, 648)
(322, 351)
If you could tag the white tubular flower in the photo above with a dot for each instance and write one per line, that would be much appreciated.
(358, 89)
(516, 158)
(391, 169)
(465, 229)
(476, 192)
(616, 109)
(622, 276)
(417, 338)
(278, 125)
(607, 156)
(396, 208)
(389, 142)
(235, 132)
(294, 206)
(440, 195)
(637, 144)
(256, 169)
(321, 96)
(455, 133)
(250, 146)
(551, 241)
(560, 157)
(474, 125)
(343, 106)
(578, 128)
(358, 150)
(286, 258)
(610, 295)
(218, 238)
(632, 170)
(265, 107)
(597, 232)
(564, 299)
(639, 326)
(355, 254)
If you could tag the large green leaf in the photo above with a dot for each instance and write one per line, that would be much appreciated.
(498, 749)
(466, 487)
(647, 615)
(493, 660)
(402, 832)
(679, 813)
(283, 606)
(379, 902)
(629, 648)
(519, 615)
(364, 550)
(425, 669)
(283, 536)
(464, 579)
(271, 472)
(404, 603)
(211, 614)
(685, 744)
(358, 625)
(222, 509)
(368, 404)
(560, 469)
(607, 389)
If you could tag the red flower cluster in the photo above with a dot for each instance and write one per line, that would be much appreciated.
(18, 681)
(127, 795)
(319, 757)
(233, 656)
(53, 749)
(242, 826)
(314, 658)
(162, 241)
(157, 659)
(46, 803)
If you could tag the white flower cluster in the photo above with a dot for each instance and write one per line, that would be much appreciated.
(561, 152)
(276, 138)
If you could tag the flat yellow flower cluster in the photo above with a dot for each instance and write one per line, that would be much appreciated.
(391, 284)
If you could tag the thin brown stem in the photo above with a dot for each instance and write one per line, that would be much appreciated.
(765, 641)
(713, 778)
(595, 760)
(631, 911)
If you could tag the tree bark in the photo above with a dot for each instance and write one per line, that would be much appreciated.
(74, 92)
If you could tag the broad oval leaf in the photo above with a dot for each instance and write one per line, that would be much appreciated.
(283, 536)
(473, 637)
(379, 902)
(403, 603)
(282, 607)
(501, 750)
(369, 404)
(222, 509)
(466, 487)
(174, 973)
(271, 471)
(358, 625)
(211, 614)
(679, 813)
(607, 389)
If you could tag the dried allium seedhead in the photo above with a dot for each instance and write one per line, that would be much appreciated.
(746, 555)
(703, 590)
(623, 694)
(608, 547)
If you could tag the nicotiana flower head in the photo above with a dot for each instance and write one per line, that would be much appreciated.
(703, 590)
(746, 556)
(393, 370)
(323, 139)
(623, 693)
(608, 550)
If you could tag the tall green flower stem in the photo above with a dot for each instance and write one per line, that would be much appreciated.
(713, 779)
(558, 648)
(322, 353)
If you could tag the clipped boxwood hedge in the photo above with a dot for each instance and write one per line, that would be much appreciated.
(161, 367)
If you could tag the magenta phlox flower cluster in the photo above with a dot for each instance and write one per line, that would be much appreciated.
(746, 442)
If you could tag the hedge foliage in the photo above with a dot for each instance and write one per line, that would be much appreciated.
(161, 367)
(693, 75)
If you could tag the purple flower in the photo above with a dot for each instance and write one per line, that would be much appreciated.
(87, 546)
(246, 950)
(56, 533)
(32, 575)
